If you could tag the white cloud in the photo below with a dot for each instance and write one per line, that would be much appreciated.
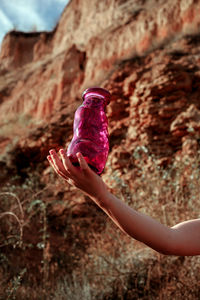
(5, 24)
(5, 21)
(25, 15)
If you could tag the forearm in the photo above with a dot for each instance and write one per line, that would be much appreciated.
(182, 239)
(139, 226)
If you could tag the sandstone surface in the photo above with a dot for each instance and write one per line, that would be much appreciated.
(147, 54)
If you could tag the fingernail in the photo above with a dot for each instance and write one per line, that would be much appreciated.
(78, 154)
(51, 152)
(62, 151)
(49, 157)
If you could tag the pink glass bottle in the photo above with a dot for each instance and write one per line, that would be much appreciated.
(91, 130)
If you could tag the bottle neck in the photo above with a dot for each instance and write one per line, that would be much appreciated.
(96, 97)
(94, 101)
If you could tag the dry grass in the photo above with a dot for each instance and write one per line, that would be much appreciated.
(105, 263)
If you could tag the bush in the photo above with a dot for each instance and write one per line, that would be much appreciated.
(58, 245)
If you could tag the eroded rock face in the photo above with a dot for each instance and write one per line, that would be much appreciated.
(17, 50)
(145, 52)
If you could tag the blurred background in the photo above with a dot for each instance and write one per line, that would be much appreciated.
(54, 242)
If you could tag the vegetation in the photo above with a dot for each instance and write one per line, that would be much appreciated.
(56, 244)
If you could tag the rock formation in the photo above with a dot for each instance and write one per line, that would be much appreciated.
(146, 53)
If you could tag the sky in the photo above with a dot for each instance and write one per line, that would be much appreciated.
(29, 15)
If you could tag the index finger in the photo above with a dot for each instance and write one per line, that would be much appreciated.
(67, 163)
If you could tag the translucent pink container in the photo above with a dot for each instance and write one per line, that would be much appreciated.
(91, 130)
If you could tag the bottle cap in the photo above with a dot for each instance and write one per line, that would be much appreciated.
(97, 92)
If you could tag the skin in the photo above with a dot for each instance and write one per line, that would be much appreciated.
(182, 239)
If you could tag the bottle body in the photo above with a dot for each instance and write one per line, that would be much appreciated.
(91, 130)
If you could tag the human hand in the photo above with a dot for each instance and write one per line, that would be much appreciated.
(83, 178)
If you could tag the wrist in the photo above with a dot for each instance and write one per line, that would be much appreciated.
(103, 199)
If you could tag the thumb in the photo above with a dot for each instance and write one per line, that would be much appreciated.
(83, 164)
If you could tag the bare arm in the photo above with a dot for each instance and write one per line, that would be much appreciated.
(182, 239)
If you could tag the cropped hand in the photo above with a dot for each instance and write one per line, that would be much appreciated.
(83, 178)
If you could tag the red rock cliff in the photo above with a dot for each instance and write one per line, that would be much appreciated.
(145, 52)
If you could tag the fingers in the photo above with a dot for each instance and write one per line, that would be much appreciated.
(67, 163)
(60, 173)
(57, 164)
(64, 167)
(50, 161)
(83, 164)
